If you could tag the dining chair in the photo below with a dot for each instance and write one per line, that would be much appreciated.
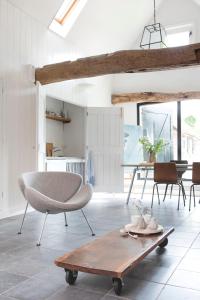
(195, 181)
(53, 193)
(180, 173)
(166, 173)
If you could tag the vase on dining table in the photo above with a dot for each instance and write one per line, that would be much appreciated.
(152, 157)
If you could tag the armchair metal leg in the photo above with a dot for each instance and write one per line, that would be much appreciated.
(65, 219)
(20, 230)
(88, 223)
(40, 237)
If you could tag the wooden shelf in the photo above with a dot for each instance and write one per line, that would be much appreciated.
(57, 118)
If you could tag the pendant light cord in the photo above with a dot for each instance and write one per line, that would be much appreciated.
(154, 10)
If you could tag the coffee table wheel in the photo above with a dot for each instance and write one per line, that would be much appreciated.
(71, 276)
(164, 243)
(117, 285)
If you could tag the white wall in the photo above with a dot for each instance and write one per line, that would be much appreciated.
(74, 132)
(95, 91)
(23, 41)
(54, 129)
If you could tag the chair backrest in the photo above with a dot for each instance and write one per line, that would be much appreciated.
(196, 172)
(165, 172)
(59, 186)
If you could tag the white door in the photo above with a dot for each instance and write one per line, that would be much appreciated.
(2, 151)
(41, 126)
(104, 140)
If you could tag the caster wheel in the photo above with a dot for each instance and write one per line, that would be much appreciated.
(117, 285)
(71, 276)
(164, 243)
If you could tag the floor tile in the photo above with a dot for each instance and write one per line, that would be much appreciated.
(185, 279)
(193, 254)
(71, 293)
(26, 266)
(157, 270)
(2, 297)
(176, 293)
(190, 264)
(95, 283)
(38, 288)
(139, 289)
(8, 280)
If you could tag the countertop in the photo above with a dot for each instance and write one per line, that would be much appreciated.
(66, 159)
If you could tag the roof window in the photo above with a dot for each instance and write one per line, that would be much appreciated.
(66, 16)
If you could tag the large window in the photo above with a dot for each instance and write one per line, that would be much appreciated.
(178, 123)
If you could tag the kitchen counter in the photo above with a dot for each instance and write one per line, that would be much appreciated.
(66, 159)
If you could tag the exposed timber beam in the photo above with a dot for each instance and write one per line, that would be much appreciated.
(153, 97)
(127, 61)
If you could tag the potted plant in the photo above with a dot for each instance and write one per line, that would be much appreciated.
(152, 148)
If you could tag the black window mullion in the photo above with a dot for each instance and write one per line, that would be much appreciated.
(179, 152)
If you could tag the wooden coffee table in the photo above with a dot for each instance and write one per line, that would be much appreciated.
(111, 255)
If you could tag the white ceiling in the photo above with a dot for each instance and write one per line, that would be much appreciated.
(197, 2)
(42, 10)
(102, 26)
(110, 25)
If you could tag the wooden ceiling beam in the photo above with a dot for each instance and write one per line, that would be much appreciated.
(152, 97)
(127, 61)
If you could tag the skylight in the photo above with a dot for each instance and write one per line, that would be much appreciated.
(66, 16)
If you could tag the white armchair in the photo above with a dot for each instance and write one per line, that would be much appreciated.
(53, 193)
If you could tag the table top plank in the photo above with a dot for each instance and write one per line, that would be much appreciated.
(147, 165)
(111, 254)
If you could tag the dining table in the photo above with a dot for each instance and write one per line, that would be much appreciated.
(146, 167)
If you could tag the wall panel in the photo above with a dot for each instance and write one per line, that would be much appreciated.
(24, 42)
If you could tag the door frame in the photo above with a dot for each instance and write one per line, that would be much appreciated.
(40, 127)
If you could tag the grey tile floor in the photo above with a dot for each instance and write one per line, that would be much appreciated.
(27, 272)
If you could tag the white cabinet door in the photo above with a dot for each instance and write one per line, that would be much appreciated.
(41, 126)
(104, 140)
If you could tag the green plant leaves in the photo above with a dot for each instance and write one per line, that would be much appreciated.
(157, 147)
